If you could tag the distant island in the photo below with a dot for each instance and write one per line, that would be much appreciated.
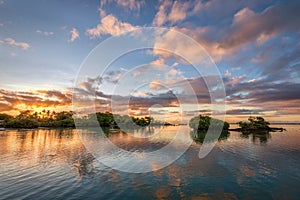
(46, 118)
(51, 119)
(64, 119)
(107, 119)
(202, 123)
(256, 124)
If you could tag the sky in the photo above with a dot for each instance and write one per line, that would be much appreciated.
(254, 45)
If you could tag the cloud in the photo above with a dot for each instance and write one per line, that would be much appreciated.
(161, 16)
(74, 35)
(115, 76)
(110, 25)
(227, 73)
(90, 84)
(236, 80)
(192, 87)
(156, 85)
(178, 11)
(207, 39)
(102, 12)
(243, 97)
(248, 26)
(255, 79)
(276, 92)
(13, 100)
(159, 64)
(141, 105)
(263, 93)
(118, 77)
(174, 12)
(170, 44)
(136, 74)
(175, 64)
(139, 102)
(174, 72)
(283, 66)
(61, 96)
(266, 99)
(244, 112)
(207, 43)
(5, 107)
(141, 94)
(45, 33)
(131, 4)
(128, 4)
(12, 42)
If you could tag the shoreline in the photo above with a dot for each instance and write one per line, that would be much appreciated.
(258, 130)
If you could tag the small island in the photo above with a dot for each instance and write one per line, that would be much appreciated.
(256, 125)
(202, 123)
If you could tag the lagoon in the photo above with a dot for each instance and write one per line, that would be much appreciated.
(55, 164)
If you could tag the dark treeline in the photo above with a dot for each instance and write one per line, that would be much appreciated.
(203, 123)
(257, 126)
(107, 119)
(47, 118)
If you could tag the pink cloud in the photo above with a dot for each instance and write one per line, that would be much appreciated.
(248, 26)
(110, 25)
(156, 85)
(12, 42)
(74, 35)
(128, 4)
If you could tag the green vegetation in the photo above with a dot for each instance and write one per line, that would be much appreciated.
(142, 121)
(21, 123)
(27, 119)
(254, 123)
(46, 118)
(107, 119)
(202, 123)
(258, 128)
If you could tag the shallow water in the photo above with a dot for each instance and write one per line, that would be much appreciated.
(48, 164)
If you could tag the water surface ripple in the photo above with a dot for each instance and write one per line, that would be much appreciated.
(54, 164)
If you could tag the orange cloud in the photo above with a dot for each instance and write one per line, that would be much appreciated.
(156, 85)
(176, 11)
(12, 42)
(110, 25)
(74, 35)
(45, 33)
(19, 100)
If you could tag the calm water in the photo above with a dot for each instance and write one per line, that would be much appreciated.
(54, 164)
